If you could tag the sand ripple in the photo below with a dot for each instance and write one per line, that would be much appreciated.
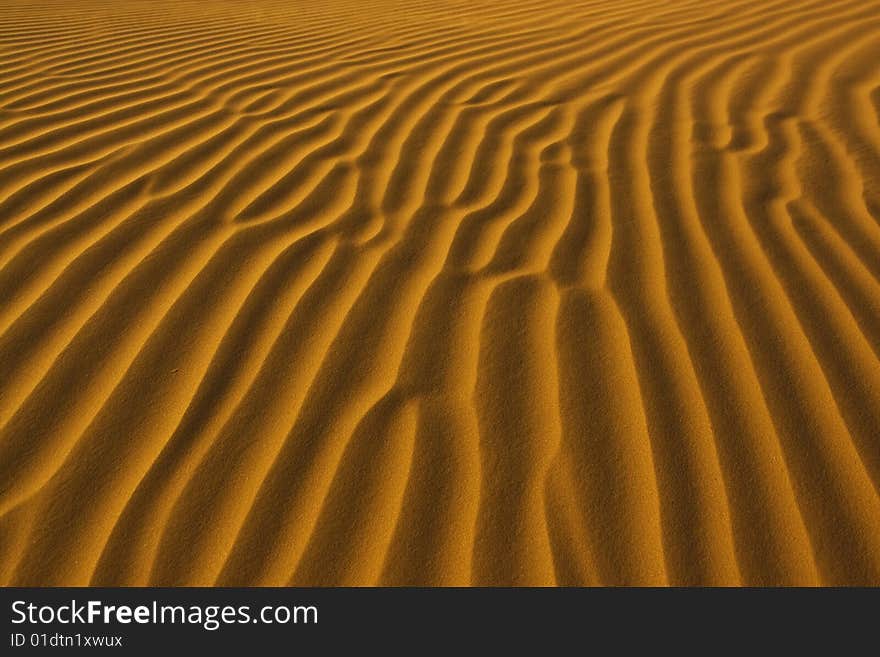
(404, 292)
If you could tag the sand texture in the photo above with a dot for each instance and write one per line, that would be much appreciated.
(522, 292)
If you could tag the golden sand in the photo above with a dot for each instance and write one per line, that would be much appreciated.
(420, 292)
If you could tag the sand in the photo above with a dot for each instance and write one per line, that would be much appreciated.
(357, 292)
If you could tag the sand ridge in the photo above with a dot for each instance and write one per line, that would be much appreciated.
(443, 293)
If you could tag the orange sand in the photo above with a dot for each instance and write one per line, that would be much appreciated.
(421, 292)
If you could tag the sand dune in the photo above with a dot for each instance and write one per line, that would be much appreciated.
(361, 292)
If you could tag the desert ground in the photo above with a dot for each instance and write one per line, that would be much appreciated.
(420, 292)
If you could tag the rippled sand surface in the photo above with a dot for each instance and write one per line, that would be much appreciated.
(419, 292)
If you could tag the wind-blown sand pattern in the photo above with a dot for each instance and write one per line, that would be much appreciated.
(363, 292)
